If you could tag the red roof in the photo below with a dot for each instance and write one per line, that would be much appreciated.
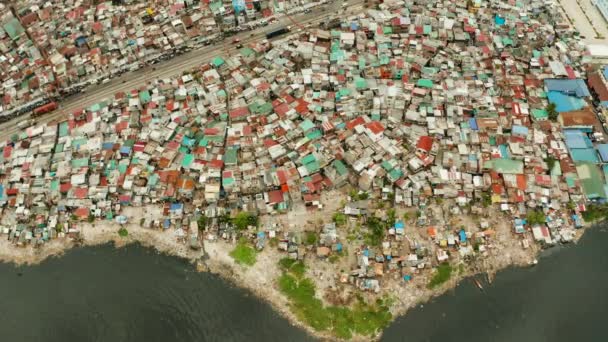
(425, 143)
(375, 127)
(239, 112)
(355, 122)
(275, 196)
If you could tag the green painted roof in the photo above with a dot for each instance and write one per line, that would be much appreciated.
(187, 161)
(424, 83)
(591, 180)
(540, 114)
(340, 167)
(308, 159)
(81, 162)
(217, 62)
(230, 157)
(13, 28)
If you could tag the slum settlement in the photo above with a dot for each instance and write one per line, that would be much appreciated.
(52, 49)
(437, 126)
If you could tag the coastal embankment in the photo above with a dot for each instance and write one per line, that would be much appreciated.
(261, 278)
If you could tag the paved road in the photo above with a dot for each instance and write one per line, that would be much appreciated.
(177, 65)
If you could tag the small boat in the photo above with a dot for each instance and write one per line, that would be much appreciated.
(478, 283)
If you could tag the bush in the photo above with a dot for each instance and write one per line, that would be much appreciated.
(595, 212)
(123, 232)
(311, 238)
(339, 219)
(376, 231)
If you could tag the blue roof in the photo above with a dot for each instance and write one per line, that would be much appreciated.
(463, 235)
(125, 149)
(577, 139)
(176, 206)
(473, 124)
(499, 20)
(605, 71)
(603, 150)
(565, 103)
(399, 224)
(519, 130)
(107, 145)
(575, 87)
(354, 26)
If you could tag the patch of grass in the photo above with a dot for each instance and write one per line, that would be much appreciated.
(123, 232)
(295, 267)
(244, 254)
(342, 321)
(311, 238)
(444, 272)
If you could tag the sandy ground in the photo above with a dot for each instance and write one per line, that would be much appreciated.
(260, 278)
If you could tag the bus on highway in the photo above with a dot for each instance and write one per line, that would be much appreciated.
(276, 32)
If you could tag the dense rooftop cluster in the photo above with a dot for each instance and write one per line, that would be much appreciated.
(409, 102)
(51, 48)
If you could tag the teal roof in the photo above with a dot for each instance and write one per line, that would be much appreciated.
(306, 125)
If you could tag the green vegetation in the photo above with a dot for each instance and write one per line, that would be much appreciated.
(244, 254)
(550, 160)
(91, 218)
(202, 222)
(535, 217)
(244, 219)
(406, 217)
(596, 212)
(339, 219)
(59, 227)
(311, 238)
(444, 272)
(486, 200)
(552, 111)
(356, 196)
(377, 229)
(123, 232)
(391, 217)
(362, 318)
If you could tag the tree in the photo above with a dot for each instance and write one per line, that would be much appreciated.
(535, 217)
(244, 219)
(552, 111)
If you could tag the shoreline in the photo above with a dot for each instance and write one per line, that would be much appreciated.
(259, 279)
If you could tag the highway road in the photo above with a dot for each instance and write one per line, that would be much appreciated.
(178, 64)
